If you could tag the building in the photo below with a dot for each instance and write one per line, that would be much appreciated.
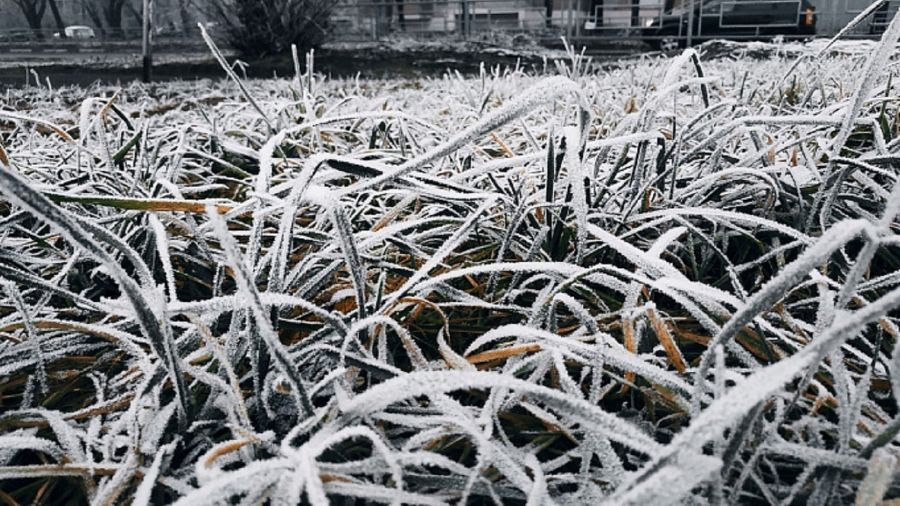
(362, 19)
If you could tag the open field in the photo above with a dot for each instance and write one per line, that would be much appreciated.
(668, 280)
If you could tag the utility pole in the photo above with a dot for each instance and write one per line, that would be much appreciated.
(578, 19)
(147, 42)
(690, 34)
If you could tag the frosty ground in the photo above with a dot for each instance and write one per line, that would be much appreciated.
(668, 280)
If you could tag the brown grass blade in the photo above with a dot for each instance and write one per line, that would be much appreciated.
(155, 205)
(512, 351)
(665, 339)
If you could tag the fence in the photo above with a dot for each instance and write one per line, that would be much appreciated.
(610, 20)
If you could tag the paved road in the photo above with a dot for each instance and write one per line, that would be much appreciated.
(85, 68)
(64, 57)
(194, 63)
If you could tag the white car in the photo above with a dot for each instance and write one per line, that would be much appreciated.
(79, 32)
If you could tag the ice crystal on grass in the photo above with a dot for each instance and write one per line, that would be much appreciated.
(666, 280)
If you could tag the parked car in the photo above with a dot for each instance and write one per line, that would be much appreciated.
(80, 32)
(746, 19)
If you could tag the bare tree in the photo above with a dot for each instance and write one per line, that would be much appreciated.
(112, 14)
(33, 10)
(92, 9)
(185, 14)
(105, 14)
(54, 9)
(174, 16)
(136, 12)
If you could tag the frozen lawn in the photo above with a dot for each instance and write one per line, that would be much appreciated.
(673, 280)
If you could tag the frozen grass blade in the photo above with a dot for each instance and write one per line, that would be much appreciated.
(18, 190)
(878, 479)
(234, 77)
(252, 299)
(775, 289)
(30, 330)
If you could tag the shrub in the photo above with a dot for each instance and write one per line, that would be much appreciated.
(265, 27)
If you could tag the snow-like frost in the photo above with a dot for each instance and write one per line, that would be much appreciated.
(418, 291)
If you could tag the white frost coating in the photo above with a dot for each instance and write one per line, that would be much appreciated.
(538, 493)
(434, 382)
(250, 298)
(162, 247)
(724, 412)
(577, 176)
(701, 291)
(366, 492)
(267, 151)
(818, 253)
(516, 161)
(20, 443)
(142, 495)
(730, 216)
(879, 477)
(642, 260)
(34, 340)
(543, 92)
(670, 484)
(438, 256)
(236, 482)
(714, 202)
(868, 77)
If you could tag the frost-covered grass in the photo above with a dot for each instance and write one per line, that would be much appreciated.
(671, 281)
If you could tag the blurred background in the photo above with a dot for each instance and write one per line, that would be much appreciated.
(107, 25)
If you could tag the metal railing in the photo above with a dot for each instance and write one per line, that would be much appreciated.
(578, 19)
(368, 20)
(792, 10)
(882, 17)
